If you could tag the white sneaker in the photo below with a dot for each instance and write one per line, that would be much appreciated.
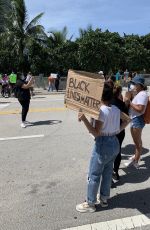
(85, 207)
(23, 125)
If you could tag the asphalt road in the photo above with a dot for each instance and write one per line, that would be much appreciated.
(43, 178)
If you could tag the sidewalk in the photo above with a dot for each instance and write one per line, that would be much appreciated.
(41, 91)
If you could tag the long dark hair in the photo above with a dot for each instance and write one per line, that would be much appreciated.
(117, 91)
(107, 93)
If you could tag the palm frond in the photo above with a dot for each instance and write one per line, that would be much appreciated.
(58, 37)
(82, 32)
(64, 32)
(37, 32)
(20, 12)
(5, 7)
(34, 22)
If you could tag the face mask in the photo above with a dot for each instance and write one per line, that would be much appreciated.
(131, 87)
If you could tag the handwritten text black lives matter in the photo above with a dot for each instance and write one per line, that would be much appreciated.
(78, 91)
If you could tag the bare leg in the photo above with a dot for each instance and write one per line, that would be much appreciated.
(136, 135)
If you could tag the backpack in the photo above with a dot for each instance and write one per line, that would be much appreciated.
(147, 113)
(17, 92)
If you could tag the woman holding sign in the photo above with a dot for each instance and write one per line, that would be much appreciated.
(105, 150)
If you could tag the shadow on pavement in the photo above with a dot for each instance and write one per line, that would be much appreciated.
(138, 199)
(133, 175)
(128, 151)
(35, 97)
(47, 122)
(5, 102)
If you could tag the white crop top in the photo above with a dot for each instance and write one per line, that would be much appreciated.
(110, 116)
(140, 99)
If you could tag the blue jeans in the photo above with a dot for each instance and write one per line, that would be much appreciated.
(51, 87)
(104, 153)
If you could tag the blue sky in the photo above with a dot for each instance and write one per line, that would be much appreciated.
(123, 16)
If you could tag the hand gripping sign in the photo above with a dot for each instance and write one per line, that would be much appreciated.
(84, 91)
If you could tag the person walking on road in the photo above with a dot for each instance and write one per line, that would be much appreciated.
(5, 86)
(12, 80)
(51, 83)
(57, 79)
(105, 150)
(23, 94)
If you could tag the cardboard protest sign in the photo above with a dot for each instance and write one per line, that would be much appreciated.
(84, 91)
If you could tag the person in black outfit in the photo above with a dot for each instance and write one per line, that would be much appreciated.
(129, 81)
(118, 102)
(57, 82)
(24, 96)
(60, 74)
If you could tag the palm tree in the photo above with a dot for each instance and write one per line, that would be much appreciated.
(21, 33)
(5, 7)
(57, 38)
(82, 32)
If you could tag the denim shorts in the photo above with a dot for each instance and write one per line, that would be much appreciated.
(138, 122)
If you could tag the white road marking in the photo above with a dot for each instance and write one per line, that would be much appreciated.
(3, 105)
(21, 137)
(40, 100)
(119, 224)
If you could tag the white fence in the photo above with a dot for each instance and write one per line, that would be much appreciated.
(42, 82)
